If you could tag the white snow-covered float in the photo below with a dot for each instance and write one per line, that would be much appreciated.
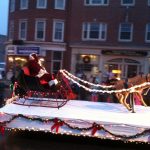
(54, 112)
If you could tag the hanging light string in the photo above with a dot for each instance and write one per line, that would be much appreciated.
(86, 82)
(131, 89)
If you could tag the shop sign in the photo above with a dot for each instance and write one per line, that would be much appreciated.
(10, 50)
(24, 50)
(124, 52)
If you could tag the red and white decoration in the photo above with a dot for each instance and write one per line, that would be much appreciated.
(81, 118)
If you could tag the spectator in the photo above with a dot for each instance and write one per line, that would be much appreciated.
(2, 91)
(9, 74)
(94, 95)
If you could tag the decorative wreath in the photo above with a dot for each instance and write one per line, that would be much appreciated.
(86, 59)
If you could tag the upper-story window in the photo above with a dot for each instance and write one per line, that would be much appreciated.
(12, 5)
(23, 4)
(60, 4)
(41, 4)
(128, 2)
(22, 29)
(147, 35)
(58, 30)
(40, 30)
(96, 2)
(148, 2)
(11, 30)
(125, 32)
(94, 31)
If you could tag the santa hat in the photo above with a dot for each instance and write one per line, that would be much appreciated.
(33, 56)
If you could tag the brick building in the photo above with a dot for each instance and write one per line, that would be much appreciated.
(87, 35)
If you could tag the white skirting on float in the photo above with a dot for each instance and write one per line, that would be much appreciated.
(81, 118)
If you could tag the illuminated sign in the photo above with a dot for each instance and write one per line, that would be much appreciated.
(116, 71)
(25, 50)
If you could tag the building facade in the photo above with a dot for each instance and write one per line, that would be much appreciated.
(81, 35)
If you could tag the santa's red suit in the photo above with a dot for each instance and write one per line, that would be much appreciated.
(33, 68)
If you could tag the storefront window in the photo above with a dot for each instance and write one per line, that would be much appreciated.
(86, 62)
(126, 67)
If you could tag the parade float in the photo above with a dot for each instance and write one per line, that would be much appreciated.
(34, 107)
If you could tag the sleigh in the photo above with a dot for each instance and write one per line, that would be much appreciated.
(30, 92)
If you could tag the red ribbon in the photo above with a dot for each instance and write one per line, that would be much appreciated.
(57, 123)
(2, 130)
(95, 128)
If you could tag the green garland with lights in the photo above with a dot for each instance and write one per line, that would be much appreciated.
(58, 123)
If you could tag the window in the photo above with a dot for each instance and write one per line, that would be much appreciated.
(147, 35)
(148, 2)
(128, 2)
(12, 5)
(22, 29)
(40, 30)
(57, 61)
(60, 4)
(125, 32)
(41, 4)
(96, 2)
(58, 31)
(94, 31)
(23, 4)
(11, 30)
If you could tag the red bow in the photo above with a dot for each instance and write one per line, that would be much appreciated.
(57, 123)
(2, 130)
(95, 128)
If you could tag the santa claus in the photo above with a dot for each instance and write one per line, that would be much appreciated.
(34, 68)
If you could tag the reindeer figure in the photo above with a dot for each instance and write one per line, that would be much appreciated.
(132, 92)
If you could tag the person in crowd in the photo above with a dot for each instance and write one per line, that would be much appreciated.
(2, 91)
(94, 95)
(83, 93)
(9, 74)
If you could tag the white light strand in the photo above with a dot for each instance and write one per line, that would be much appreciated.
(131, 89)
(86, 82)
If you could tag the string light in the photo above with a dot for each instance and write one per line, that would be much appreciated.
(83, 131)
(65, 72)
(131, 89)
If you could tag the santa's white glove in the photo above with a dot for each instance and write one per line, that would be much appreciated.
(53, 82)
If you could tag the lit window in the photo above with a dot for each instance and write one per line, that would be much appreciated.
(147, 35)
(125, 32)
(40, 30)
(94, 31)
(128, 2)
(58, 31)
(24, 4)
(96, 2)
(41, 4)
(22, 29)
(12, 5)
(11, 30)
(60, 4)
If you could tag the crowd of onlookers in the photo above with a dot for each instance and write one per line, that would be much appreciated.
(83, 94)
